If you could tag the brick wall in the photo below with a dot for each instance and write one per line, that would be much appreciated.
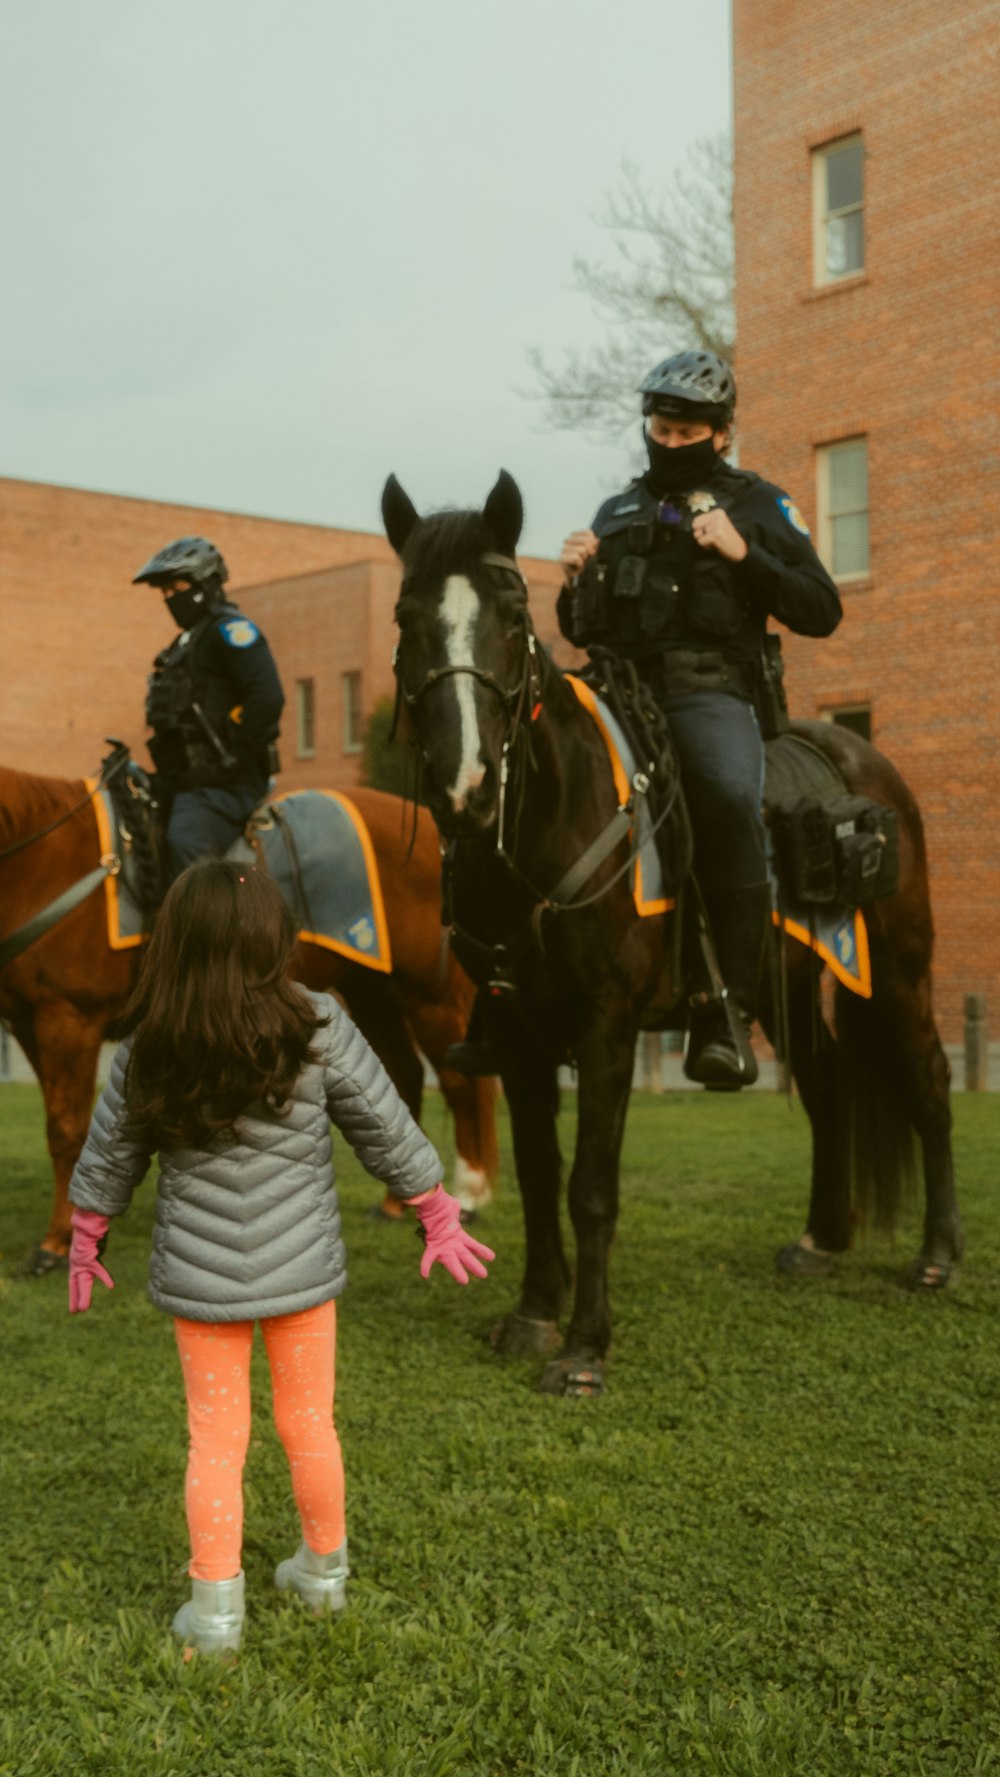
(906, 355)
(77, 638)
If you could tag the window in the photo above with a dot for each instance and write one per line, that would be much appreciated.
(855, 716)
(305, 718)
(842, 489)
(351, 686)
(838, 211)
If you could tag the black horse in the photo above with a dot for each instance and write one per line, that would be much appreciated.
(519, 783)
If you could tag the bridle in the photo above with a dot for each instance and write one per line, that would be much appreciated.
(514, 697)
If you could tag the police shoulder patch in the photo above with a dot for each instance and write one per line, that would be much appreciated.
(239, 632)
(793, 515)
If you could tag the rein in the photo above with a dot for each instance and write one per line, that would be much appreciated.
(110, 864)
(108, 770)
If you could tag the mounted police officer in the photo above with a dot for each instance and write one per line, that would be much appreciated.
(680, 573)
(214, 703)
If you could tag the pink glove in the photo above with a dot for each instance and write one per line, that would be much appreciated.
(440, 1217)
(89, 1232)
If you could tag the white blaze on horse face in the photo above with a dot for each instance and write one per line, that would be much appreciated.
(459, 610)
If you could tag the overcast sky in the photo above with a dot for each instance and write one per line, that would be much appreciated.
(257, 254)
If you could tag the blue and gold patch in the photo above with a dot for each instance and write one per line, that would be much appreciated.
(239, 632)
(793, 515)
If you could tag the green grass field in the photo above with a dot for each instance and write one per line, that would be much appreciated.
(771, 1548)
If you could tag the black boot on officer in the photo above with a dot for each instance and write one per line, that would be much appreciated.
(719, 1054)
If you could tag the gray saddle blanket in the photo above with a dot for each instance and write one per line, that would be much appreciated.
(316, 846)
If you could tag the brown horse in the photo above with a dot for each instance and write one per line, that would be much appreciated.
(518, 780)
(62, 993)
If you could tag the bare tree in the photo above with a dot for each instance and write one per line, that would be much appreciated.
(670, 288)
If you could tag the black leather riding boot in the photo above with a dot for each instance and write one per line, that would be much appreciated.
(473, 1056)
(719, 1054)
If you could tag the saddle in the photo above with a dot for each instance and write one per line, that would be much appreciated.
(831, 852)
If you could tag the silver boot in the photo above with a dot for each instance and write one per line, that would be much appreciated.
(212, 1619)
(319, 1579)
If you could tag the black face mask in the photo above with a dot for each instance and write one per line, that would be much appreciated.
(680, 469)
(186, 607)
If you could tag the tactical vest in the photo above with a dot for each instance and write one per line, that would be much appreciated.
(651, 590)
(187, 707)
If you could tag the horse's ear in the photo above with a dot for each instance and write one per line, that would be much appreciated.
(504, 512)
(399, 515)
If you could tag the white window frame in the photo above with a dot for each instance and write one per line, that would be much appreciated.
(352, 740)
(824, 454)
(305, 718)
(822, 216)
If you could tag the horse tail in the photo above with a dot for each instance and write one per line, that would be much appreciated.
(875, 1124)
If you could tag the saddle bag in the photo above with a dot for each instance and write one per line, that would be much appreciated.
(843, 851)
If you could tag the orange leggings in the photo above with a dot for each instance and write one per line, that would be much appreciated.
(215, 1361)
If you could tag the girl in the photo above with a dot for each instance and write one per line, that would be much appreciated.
(232, 1073)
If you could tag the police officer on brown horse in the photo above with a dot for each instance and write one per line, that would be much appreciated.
(214, 703)
(680, 573)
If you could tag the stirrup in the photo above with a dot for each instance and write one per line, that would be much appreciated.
(722, 1059)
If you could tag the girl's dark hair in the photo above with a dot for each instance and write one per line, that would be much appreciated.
(216, 1023)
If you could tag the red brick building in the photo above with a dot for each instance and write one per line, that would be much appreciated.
(866, 142)
(77, 638)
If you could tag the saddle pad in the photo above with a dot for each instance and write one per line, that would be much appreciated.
(326, 869)
(797, 767)
(647, 887)
(794, 766)
(840, 938)
(316, 846)
(126, 927)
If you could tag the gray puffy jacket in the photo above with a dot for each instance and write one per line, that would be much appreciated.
(251, 1228)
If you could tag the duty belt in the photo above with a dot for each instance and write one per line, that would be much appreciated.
(677, 670)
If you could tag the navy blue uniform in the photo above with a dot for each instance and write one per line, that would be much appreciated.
(693, 623)
(214, 703)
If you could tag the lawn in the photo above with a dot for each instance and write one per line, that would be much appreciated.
(771, 1548)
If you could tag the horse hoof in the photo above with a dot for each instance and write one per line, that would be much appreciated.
(517, 1335)
(803, 1261)
(928, 1275)
(41, 1260)
(573, 1378)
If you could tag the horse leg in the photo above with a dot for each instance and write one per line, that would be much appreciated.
(532, 1089)
(813, 1052)
(925, 1079)
(381, 1023)
(471, 1102)
(605, 1062)
(63, 1045)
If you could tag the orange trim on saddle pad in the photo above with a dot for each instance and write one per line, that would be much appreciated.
(382, 963)
(117, 939)
(623, 789)
(861, 983)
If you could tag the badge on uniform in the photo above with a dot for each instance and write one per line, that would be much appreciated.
(700, 502)
(793, 515)
(239, 632)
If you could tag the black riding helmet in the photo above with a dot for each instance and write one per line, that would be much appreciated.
(691, 385)
(190, 558)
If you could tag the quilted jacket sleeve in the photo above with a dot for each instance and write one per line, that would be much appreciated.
(364, 1105)
(115, 1157)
